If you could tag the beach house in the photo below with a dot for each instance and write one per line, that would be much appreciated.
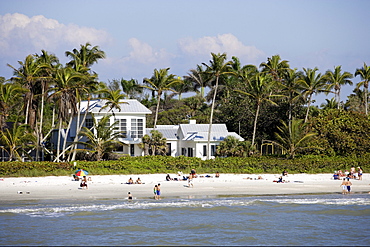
(191, 139)
(129, 118)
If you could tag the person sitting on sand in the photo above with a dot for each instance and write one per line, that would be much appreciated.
(130, 181)
(285, 173)
(83, 183)
(76, 178)
(217, 175)
(168, 177)
(138, 181)
(280, 180)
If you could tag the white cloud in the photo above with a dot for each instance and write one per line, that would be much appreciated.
(22, 35)
(221, 43)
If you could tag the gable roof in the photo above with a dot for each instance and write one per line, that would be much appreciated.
(195, 132)
(127, 106)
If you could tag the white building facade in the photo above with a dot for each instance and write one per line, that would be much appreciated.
(191, 139)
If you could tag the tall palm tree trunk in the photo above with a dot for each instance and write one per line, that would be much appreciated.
(156, 112)
(255, 124)
(211, 119)
(308, 108)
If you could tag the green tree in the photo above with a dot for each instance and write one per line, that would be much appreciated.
(260, 90)
(9, 95)
(160, 82)
(28, 75)
(113, 100)
(16, 140)
(154, 144)
(295, 138)
(275, 67)
(199, 79)
(232, 147)
(336, 79)
(216, 68)
(100, 138)
(311, 83)
(131, 88)
(364, 74)
(85, 57)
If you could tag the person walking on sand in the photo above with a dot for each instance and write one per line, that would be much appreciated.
(348, 184)
(344, 186)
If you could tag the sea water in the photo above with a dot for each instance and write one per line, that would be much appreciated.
(314, 219)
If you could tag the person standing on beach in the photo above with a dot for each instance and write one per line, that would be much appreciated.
(158, 191)
(129, 196)
(344, 186)
(155, 192)
(348, 184)
(190, 180)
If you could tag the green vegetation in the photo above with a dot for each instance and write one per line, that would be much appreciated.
(166, 164)
(264, 103)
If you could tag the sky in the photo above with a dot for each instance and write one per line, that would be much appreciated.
(139, 36)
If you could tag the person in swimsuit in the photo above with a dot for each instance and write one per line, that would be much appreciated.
(129, 196)
(344, 186)
(158, 191)
(348, 184)
(359, 173)
(155, 192)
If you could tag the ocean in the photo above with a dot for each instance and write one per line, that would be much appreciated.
(314, 219)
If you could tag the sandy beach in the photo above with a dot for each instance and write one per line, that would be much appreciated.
(115, 187)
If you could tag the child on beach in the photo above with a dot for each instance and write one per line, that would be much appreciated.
(155, 192)
(344, 186)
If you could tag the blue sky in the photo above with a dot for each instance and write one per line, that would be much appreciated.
(143, 35)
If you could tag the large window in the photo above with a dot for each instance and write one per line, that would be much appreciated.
(213, 150)
(121, 126)
(204, 150)
(168, 149)
(137, 128)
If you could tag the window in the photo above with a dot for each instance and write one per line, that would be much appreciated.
(121, 126)
(137, 128)
(132, 149)
(183, 151)
(168, 149)
(190, 152)
(213, 150)
(204, 150)
(89, 123)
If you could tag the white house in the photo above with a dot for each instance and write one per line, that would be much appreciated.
(184, 139)
(191, 139)
(131, 121)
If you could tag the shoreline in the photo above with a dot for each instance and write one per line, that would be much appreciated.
(115, 187)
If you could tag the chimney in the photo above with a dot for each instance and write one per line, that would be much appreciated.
(192, 121)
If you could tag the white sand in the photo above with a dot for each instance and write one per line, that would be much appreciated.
(114, 186)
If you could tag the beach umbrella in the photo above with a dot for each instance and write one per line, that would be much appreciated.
(81, 172)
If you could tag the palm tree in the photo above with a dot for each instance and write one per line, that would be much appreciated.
(16, 140)
(216, 68)
(66, 93)
(199, 79)
(184, 87)
(131, 88)
(102, 139)
(336, 79)
(275, 67)
(294, 138)
(291, 88)
(154, 144)
(113, 99)
(9, 94)
(330, 104)
(364, 74)
(311, 83)
(84, 57)
(160, 82)
(28, 75)
(259, 89)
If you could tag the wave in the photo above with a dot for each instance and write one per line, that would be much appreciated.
(96, 207)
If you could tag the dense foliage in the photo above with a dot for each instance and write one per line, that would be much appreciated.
(252, 100)
(166, 164)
